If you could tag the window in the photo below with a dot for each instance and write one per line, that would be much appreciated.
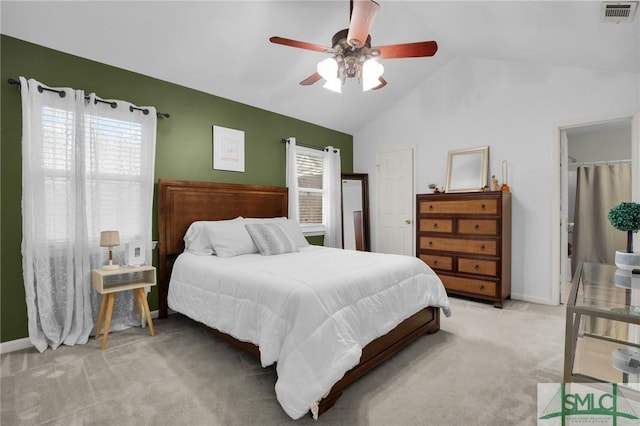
(113, 174)
(309, 165)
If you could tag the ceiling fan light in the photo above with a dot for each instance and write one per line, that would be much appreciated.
(333, 84)
(371, 72)
(372, 69)
(328, 69)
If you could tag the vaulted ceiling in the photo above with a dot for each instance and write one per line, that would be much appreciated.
(223, 48)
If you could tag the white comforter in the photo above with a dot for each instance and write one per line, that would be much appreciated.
(311, 311)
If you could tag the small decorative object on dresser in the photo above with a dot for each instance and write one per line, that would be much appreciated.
(626, 217)
(110, 239)
(466, 239)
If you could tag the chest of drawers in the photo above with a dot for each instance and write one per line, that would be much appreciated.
(466, 239)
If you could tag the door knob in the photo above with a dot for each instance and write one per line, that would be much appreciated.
(408, 221)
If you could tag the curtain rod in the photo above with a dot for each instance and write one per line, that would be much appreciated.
(113, 104)
(595, 163)
(308, 146)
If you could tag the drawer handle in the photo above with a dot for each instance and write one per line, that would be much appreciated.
(435, 226)
(482, 247)
(430, 206)
(430, 243)
(483, 207)
(435, 262)
(476, 267)
(481, 286)
(476, 227)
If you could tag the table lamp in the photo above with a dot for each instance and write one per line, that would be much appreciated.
(110, 239)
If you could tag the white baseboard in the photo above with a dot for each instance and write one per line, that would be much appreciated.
(25, 342)
(531, 299)
(15, 345)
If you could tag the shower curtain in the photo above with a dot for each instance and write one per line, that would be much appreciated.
(599, 188)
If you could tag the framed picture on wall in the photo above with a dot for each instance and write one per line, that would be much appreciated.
(228, 149)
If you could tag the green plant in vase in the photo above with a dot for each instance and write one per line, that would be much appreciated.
(626, 217)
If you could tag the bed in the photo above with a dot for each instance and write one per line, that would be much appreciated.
(287, 332)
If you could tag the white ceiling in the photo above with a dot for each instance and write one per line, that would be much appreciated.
(222, 47)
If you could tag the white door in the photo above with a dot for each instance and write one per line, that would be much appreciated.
(565, 267)
(395, 202)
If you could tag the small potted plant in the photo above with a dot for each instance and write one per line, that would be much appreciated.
(626, 217)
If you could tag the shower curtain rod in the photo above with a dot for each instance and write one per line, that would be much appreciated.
(113, 104)
(595, 163)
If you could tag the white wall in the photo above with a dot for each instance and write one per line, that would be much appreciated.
(601, 144)
(515, 108)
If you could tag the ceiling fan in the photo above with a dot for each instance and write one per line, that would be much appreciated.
(352, 54)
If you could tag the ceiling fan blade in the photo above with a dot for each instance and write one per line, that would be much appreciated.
(311, 79)
(298, 44)
(383, 83)
(363, 13)
(408, 50)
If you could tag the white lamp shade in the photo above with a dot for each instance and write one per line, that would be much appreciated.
(371, 72)
(334, 84)
(109, 238)
(328, 69)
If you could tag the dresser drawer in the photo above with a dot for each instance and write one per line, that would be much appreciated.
(469, 285)
(436, 225)
(472, 206)
(478, 266)
(437, 262)
(487, 247)
(478, 227)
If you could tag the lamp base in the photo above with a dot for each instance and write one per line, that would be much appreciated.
(110, 267)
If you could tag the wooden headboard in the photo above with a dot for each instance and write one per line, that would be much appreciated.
(181, 203)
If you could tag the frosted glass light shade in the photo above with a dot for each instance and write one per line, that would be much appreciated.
(334, 84)
(371, 72)
(328, 69)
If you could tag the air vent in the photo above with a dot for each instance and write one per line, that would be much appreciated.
(618, 11)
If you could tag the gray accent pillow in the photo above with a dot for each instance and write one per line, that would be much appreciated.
(270, 238)
(290, 226)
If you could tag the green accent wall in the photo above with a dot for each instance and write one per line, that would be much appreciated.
(183, 150)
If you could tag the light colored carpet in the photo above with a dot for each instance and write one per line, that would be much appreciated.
(482, 368)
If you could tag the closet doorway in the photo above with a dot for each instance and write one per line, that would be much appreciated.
(595, 170)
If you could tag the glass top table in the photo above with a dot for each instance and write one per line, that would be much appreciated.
(602, 340)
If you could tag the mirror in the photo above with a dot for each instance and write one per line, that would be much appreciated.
(355, 211)
(467, 169)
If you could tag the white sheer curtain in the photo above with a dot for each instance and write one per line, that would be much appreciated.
(87, 166)
(292, 178)
(332, 199)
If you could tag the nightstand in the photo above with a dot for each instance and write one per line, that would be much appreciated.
(110, 282)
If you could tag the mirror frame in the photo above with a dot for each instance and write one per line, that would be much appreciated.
(456, 183)
(364, 181)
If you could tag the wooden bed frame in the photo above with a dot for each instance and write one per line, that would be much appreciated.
(182, 202)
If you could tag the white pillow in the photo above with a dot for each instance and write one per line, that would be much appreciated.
(290, 226)
(270, 238)
(230, 238)
(196, 240)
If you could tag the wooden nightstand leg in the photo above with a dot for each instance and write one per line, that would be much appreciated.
(107, 324)
(143, 298)
(139, 304)
(101, 314)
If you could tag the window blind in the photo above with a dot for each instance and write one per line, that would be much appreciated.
(309, 169)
